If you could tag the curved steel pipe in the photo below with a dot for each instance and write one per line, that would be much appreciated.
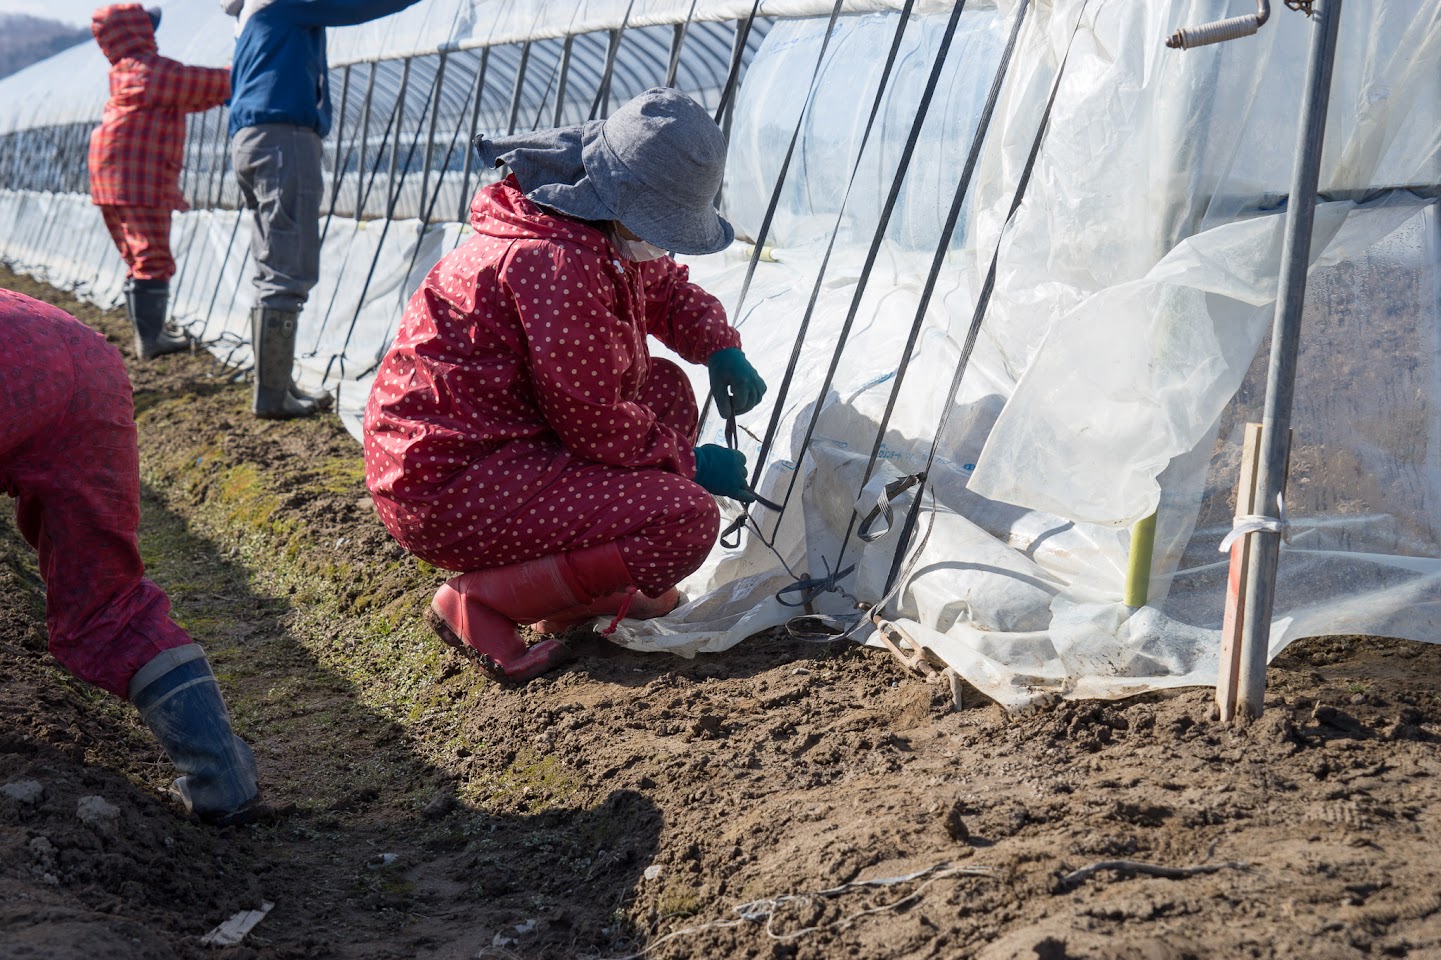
(1219, 31)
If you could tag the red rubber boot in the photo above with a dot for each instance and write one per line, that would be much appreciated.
(481, 609)
(641, 607)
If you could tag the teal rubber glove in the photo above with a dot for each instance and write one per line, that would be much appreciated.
(722, 471)
(734, 383)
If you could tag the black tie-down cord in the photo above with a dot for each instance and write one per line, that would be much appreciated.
(807, 589)
(824, 628)
(730, 537)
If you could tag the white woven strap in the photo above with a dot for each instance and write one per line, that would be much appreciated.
(1258, 523)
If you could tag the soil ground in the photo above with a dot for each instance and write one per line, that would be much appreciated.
(728, 806)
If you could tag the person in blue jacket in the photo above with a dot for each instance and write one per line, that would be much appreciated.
(279, 112)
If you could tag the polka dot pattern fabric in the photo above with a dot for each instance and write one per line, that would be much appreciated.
(519, 412)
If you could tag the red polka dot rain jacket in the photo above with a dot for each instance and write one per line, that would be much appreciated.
(522, 353)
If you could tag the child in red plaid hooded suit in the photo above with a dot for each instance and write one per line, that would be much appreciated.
(135, 157)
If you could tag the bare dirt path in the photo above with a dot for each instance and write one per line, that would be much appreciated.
(720, 807)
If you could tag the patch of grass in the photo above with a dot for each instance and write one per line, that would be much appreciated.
(531, 782)
(342, 474)
(372, 664)
(674, 904)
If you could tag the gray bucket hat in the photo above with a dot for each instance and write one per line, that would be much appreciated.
(655, 165)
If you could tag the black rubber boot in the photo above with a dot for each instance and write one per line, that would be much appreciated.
(276, 396)
(180, 702)
(146, 301)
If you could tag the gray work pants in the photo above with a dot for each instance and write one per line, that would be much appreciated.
(278, 168)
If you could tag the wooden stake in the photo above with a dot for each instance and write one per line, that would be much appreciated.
(1229, 674)
(1243, 556)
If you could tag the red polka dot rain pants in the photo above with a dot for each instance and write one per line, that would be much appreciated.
(519, 413)
(68, 457)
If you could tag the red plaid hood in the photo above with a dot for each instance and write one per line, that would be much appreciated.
(136, 152)
(123, 30)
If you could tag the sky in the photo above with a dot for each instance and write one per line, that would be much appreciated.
(75, 12)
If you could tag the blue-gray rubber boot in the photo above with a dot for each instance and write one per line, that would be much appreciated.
(276, 396)
(180, 702)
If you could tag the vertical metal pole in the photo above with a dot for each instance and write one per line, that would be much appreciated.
(600, 106)
(342, 156)
(54, 164)
(337, 166)
(738, 48)
(194, 124)
(461, 214)
(68, 170)
(559, 117)
(79, 174)
(519, 88)
(218, 146)
(430, 137)
(1285, 338)
(677, 41)
(225, 180)
(364, 141)
(399, 129)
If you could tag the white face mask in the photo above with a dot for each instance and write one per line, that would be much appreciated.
(636, 251)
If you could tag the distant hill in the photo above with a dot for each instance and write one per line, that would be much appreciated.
(25, 40)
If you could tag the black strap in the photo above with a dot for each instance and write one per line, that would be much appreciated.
(958, 199)
(789, 375)
(730, 537)
(790, 152)
(983, 302)
(808, 590)
(882, 510)
(903, 166)
(736, 59)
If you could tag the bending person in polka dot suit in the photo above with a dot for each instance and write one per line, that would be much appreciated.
(519, 428)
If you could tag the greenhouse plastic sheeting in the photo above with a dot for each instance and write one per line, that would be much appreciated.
(1114, 372)
(1119, 359)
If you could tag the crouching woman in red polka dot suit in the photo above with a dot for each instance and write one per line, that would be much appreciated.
(519, 428)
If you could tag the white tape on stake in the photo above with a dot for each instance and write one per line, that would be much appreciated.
(1256, 523)
(232, 931)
